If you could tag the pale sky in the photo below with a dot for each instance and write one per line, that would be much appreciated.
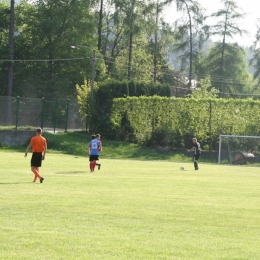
(251, 7)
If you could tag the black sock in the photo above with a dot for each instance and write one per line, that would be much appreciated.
(196, 165)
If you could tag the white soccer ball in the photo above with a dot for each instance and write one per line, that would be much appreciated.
(182, 168)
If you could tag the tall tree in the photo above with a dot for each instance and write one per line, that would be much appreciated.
(161, 38)
(4, 45)
(255, 61)
(132, 12)
(141, 61)
(236, 77)
(226, 27)
(47, 31)
(190, 32)
(100, 25)
(114, 41)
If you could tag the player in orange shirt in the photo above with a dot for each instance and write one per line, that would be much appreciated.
(38, 145)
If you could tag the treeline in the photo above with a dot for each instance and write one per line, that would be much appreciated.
(121, 40)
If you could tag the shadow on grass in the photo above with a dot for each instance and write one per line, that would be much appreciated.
(75, 172)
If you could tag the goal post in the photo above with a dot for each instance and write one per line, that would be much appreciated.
(238, 149)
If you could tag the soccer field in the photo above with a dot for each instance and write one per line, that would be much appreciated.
(128, 210)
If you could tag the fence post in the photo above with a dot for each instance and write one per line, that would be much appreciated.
(210, 126)
(67, 115)
(42, 112)
(16, 112)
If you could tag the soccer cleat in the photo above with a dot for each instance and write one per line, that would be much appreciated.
(41, 179)
(99, 165)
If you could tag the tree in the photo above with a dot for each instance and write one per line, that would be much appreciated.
(226, 27)
(132, 14)
(205, 90)
(190, 32)
(141, 61)
(47, 29)
(255, 61)
(100, 26)
(4, 45)
(161, 40)
(235, 76)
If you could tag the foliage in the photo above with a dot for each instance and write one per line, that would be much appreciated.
(142, 62)
(255, 60)
(205, 90)
(45, 32)
(133, 42)
(235, 77)
(4, 45)
(190, 33)
(226, 26)
(172, 122)
(83, 96)
(87, 104)
(97, 111)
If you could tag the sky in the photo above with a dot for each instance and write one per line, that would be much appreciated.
(250, 7)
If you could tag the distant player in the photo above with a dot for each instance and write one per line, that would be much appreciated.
(197, 151)
(94, 149)
(38, 144)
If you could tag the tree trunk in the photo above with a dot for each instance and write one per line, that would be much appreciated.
(222, 55)
(129, 68)
(155, 44)
(100, 25)
(191, 49)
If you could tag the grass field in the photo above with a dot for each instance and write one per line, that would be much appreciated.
(129, 209)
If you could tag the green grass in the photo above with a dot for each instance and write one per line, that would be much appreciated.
(128, 210)
(13, 127)
(75, 143)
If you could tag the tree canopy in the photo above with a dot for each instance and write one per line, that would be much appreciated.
(122, 40)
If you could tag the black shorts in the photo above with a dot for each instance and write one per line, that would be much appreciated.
(93, 158)
(196, 156)
(36, 160)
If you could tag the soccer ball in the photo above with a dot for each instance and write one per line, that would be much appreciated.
(182, 168)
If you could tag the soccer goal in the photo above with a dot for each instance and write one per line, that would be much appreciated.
(236, 149)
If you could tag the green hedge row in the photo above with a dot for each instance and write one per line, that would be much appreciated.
(172, 122)
(107, 91)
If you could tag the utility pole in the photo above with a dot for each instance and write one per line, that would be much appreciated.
(9, 90)
(11, 45)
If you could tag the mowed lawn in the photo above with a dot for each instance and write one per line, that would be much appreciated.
(129, 209)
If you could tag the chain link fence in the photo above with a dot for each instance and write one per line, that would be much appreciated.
(50, 114)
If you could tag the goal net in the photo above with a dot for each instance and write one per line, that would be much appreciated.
(235, 149)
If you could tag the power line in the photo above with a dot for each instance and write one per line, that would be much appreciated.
(42, 60)
(216, 79)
